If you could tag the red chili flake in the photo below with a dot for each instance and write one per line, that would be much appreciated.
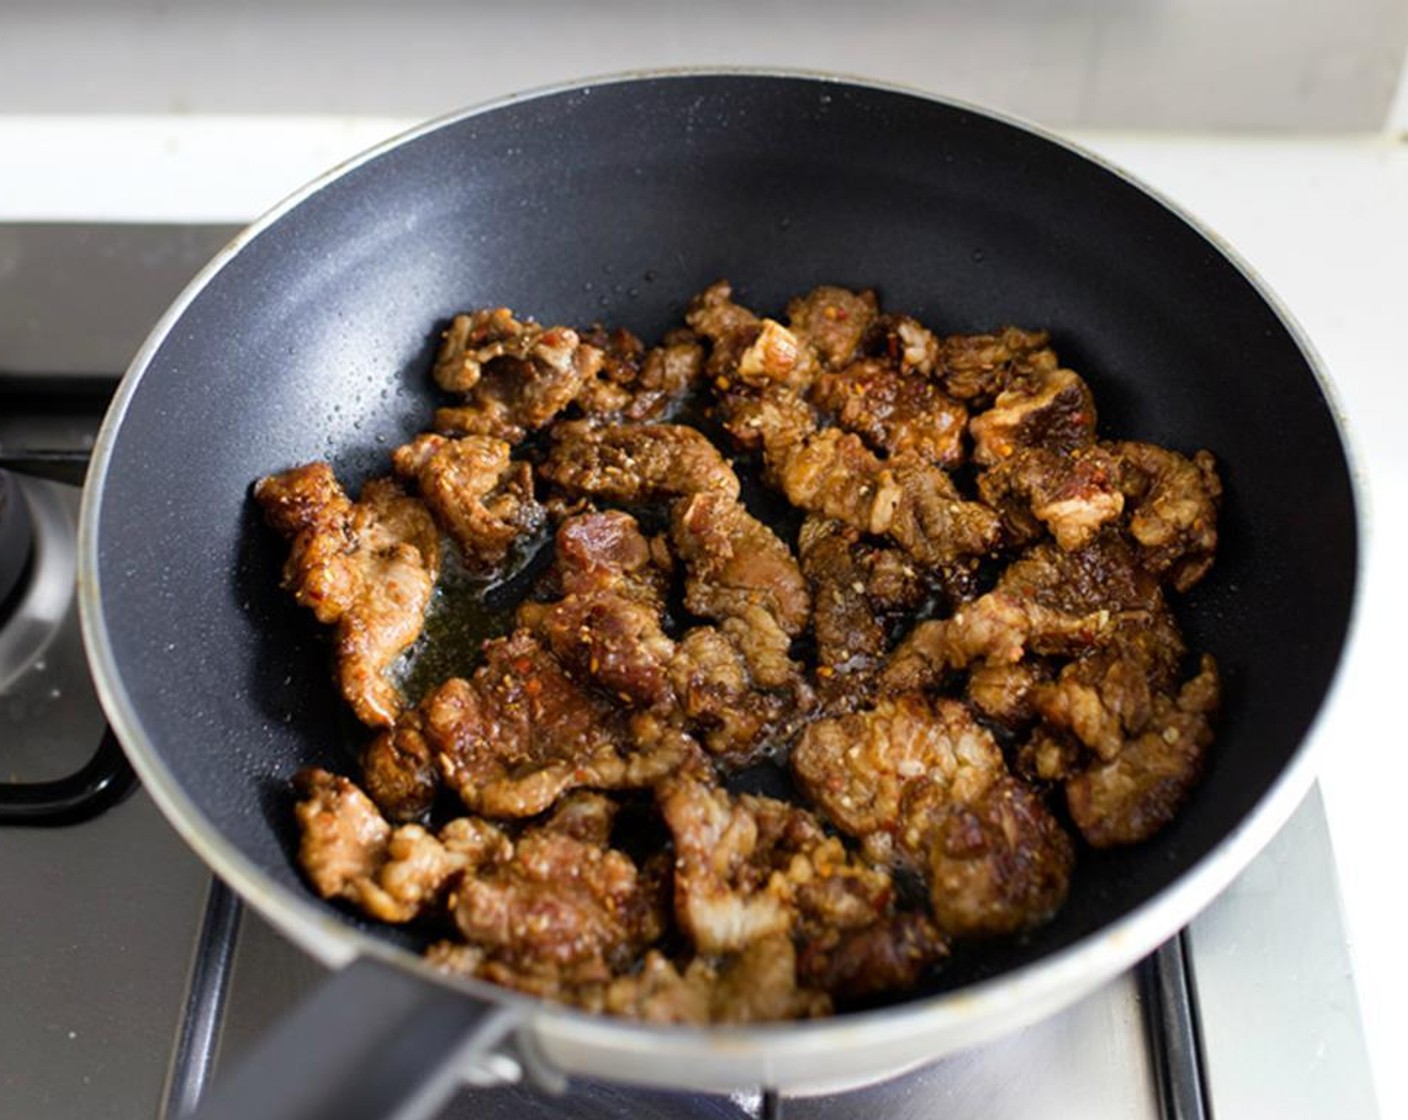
(522, 665)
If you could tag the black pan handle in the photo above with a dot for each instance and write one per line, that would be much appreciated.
(375, 1041)
(103, 781)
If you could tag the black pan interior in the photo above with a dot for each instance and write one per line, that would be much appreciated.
(617, 202)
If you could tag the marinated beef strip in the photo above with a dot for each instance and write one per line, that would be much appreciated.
(913, 503)
(1050, 408)
(749, 869)
(635, 384)
(738, 685)
(923, 782)
(858, 588)
(349, 851)
(1048, 602)
(1071, 494)
(1174, 503)
(559, 912)
(976, 368)
(479, 496)
(759, 983)
(515, 375)
(906, 343)
(1135, 794)
(608, 627)
(894, 412)
(635, 464)
(366, 568)
(834, 321)
(522, 731)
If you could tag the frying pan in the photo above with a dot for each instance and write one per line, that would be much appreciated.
(310, 336)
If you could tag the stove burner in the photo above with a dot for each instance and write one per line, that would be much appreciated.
(39, 606)
(16, 541)
(35, 517)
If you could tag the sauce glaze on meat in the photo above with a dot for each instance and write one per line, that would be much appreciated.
(903, 573)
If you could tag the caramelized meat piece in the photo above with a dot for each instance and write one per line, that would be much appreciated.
(751, 871)
(719, 700)
(856, 588)
(998, 864)
(608, 625)
(1049, 602)
(515, 375)
(928, 777)
(366, 568)
(734, 563)
(905, 343)
(633, 464)
(1109, 693)
(1139, 791)
(635, 384)
(399, 770)
(975, 368)
(714, 315)
(1003, 691)
(1174, 503)
(895, 413)
(348, 850)
(833, 321)
(856, 767)
(1051, 409)
(562, 908)
(521, 732)
(913, 503)
(757, 984)
(478, 495)
(1071, 494)
(606, 551)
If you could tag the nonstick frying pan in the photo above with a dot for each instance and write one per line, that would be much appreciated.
(311, 335)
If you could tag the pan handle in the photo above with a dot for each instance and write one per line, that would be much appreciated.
(374, 1041)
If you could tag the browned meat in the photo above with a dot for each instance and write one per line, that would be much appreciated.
(761, 357)
(515, 375)
(734, 563)
(927, 776)
(891, 955)
(895, 413)
(857, 587)
(714, 315)
(905, 343)
(1109, 693)
(998, 864)
(1174, 502)
(720, 702)
(1002, 691)
(747, 867)
(757, 984)
(833, 321)
(348, 850)
(633, 464)
(611, 639)
(856, 767)
(606, 551)
(977, 367)
(1050, 408)
(1050, 601)
(521, 732)
(913, 503)
(399, 770)
(1071, 494)
(562, 908)
(636, 384)
(365, 568)
(1131, 797)
(480, 497)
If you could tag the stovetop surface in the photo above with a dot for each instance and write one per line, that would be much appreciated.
(103, 918)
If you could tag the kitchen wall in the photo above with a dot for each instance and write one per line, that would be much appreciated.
(1178, 64)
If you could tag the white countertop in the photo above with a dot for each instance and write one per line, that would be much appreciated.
(1324, 221)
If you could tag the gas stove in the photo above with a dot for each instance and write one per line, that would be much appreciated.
(129, 979)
